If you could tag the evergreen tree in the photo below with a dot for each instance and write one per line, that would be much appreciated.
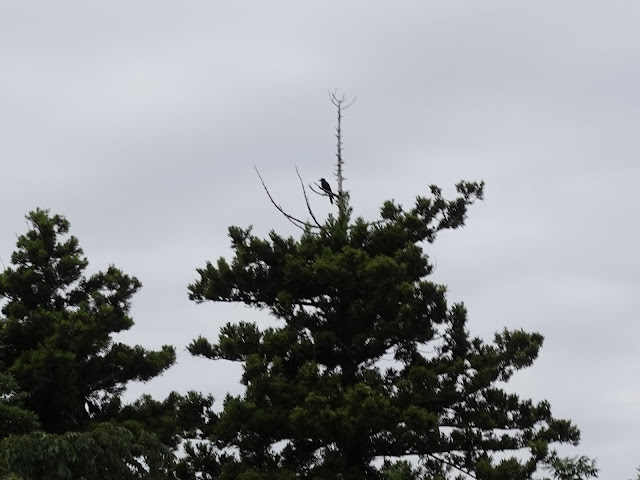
(58, 326)
(61, 415)
(368, 362)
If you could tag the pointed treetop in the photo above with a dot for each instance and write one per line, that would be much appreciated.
(341, 105)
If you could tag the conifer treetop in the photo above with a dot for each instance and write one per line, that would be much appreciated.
(368, 362)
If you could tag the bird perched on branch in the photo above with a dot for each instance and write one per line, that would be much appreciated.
(324, 185)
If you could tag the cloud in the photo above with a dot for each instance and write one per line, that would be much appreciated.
(142, 124)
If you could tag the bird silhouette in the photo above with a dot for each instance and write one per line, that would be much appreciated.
(324, 185)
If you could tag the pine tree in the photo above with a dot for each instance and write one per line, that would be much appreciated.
(58, 326)
(61, 414)
(368, 365)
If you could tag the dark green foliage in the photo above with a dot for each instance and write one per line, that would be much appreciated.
(57, 328)
(61, 415)
(401, 470)
(175, 418)
(369, 361)
(15, 419)
(575, 468)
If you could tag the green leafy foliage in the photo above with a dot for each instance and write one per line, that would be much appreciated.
(103, 453)
(369, 361)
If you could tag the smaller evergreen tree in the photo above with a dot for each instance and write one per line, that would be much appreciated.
(58, 325)
(61, 413)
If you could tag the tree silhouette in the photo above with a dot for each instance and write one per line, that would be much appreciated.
(61, 415)
(369, 365)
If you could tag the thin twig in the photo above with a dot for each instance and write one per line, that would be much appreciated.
(334, 99)
(306, 199)
(323, 192)
(297, 222)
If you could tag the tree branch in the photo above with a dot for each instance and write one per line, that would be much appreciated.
(306, 199)
(297, 222)
(339, 101)
(323, 192)
(451, 464)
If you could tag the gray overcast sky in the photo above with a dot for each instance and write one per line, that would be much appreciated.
(141, 123)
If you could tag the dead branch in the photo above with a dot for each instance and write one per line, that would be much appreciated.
(306, 199)
(341, 105)
(322, 192)
(339, 101)
(297, 222)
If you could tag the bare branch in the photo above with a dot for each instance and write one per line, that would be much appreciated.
(451, 464)
(341, 105)
(339, 101)
(297, 222)
(306, 199)
(321, 191)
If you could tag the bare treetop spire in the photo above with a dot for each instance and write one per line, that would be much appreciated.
(322, 187)
(341, 104)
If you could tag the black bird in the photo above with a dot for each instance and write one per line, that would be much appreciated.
(324, 185)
